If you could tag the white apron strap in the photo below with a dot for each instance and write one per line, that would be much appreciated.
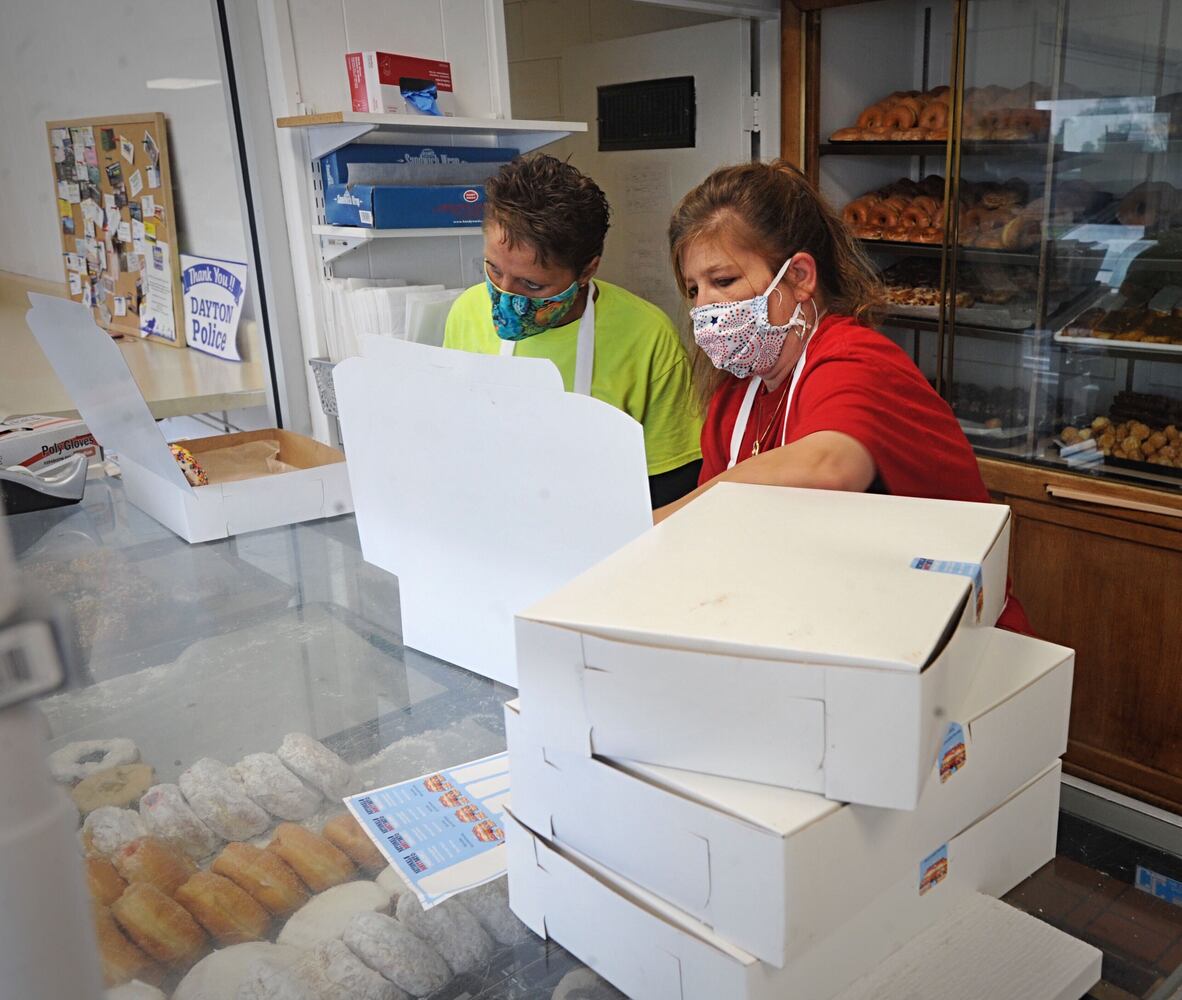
(742, 419)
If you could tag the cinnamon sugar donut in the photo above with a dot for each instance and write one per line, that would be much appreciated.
(345, 832)
(105, 884)
(872, 117)
(121, 960)
(227, 912)
(856, 213)
(150, 859)
(934, 115)
(264, 875)
(159, 925)
(314, 859)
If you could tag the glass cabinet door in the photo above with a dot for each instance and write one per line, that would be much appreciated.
(1070, 207)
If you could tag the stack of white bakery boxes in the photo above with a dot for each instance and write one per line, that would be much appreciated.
(761, 748)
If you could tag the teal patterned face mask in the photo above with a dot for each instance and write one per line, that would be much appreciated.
(517, 317)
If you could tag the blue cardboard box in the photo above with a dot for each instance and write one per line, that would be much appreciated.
(405, 206)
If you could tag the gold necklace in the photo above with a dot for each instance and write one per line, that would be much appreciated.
(755, 448)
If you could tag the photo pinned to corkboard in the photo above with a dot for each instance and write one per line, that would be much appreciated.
(118, 224)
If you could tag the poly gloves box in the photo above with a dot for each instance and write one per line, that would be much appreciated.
(407, 187)
(386, 83)
(93, 370)
(647, 948)
(37, 442)
(757, 864)
(802, 638)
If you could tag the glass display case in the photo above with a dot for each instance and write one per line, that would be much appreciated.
(1015, 172)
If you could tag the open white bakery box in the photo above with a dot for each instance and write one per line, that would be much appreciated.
(799, 638)
(93, 370)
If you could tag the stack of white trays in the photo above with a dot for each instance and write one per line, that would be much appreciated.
(763, 747)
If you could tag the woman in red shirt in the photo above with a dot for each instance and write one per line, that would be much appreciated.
(800, 389)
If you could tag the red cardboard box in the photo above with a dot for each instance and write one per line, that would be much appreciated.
(374, 79)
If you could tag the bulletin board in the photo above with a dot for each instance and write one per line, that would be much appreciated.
(118, 224)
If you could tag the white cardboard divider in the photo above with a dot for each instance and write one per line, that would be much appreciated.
(652, 951)
(483, 486)
(95, 374)
(774, 635)
(756, 863)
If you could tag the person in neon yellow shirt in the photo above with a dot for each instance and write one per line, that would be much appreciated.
(544, 227)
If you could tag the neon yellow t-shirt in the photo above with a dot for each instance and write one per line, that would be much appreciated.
(640, 365)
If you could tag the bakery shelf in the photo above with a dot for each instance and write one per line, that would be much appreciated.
(1125, 348)
(338, 240)
(925, 147)
(332, 130)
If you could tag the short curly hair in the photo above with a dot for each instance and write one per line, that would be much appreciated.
(545, 203)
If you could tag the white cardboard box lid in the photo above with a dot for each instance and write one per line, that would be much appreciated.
(781, 573)
(95, 374)
(483, 485)
(1010, 664)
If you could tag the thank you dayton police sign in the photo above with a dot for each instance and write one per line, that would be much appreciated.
(213, 304)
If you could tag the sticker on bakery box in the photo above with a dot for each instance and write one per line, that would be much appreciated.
(442, 832)
(933, 869)
(214, 291)
(953, 752)
(1161, 886)
(971, 570)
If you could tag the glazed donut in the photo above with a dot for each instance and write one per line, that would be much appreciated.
(159, 925)
(941, 91)
(934, 115)
(314, 859)
(927, 204)
(884, 216)
(121, 960)
(848, 135)
(166, 814)
(150, 859)
(914, 102)
(345, 832)
(872, 117)
(76, 761)
(931, 234)
(899, 116)
(116, 786)
(263, 874)
(915, 218)
(857, 212)
(316, 764)
(105, 884)
(897, 234)
(877, 133)
(227, 912)
(194, 474)
(868, 232)
(1021, 232)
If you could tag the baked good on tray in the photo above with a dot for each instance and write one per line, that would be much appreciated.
(1131, 440)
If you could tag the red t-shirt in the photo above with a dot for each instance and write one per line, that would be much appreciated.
(858, 382)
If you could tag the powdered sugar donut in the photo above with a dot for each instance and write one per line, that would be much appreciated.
(220, 974)
(450, 929)
(386, 945)
(135, 990)
(275, 788)
(221, 802)
(337, 974)
(108, 828)
(327, 914)
(79, 760)
(489, 903)
(267, 981)
(316, 764)
(167, 815)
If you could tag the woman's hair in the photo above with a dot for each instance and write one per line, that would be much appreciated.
(771, 209)
(548, 205)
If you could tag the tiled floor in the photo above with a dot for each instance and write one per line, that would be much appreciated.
(1089, 891)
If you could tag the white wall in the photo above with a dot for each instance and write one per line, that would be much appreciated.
(538, 32)
(67, 59)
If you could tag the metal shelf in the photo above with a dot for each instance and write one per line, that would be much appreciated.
(338, 240)
(334, 129)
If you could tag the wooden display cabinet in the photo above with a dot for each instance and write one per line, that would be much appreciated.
(1096, 554)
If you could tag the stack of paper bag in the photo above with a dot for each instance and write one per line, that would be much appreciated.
(764, 746)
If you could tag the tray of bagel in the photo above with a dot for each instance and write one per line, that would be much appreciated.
(992, 114)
